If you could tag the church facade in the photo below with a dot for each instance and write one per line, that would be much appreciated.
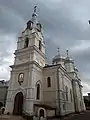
(41, 89)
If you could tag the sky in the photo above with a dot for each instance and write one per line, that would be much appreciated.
(65, 25)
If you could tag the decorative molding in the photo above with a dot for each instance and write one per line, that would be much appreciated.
(30, 48)
(25, 88)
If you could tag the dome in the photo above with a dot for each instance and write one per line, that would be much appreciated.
(58, 59)
(69, 60)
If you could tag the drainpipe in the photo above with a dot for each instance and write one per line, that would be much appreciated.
(58, 90)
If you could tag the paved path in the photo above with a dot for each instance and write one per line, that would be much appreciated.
(7, 117)
(81, 116)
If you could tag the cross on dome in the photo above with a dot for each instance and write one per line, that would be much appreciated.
(67, 53)
(58, 50)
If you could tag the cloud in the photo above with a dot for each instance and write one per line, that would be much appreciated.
(83, 45)
(65, 25)
(7, 47)
(9, 19)
(86, 88)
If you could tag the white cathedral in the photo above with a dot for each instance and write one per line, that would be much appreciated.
(42, 89)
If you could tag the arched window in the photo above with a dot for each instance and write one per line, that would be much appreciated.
(40, 45)
(29, 25)
(66, 93)
(71, 94)
(49, 82)
(26, 43)
(38, 92)
(39, 27)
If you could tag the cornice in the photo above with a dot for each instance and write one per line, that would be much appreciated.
(27, 63)
(28, 49)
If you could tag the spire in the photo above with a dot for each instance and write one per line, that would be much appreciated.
(34, 23)
(34, 15)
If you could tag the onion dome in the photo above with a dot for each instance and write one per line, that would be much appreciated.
(68, 59)
(58, 59)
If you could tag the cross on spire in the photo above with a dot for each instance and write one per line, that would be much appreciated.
(34, 15)
(67, 52)
(35, 9)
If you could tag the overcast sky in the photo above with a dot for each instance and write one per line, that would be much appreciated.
(65, 25)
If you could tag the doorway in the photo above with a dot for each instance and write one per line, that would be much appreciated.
(18, 104)
(1, 104)
(42, 113)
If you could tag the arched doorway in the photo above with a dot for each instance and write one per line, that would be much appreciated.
(18, 104)
(42, 113)
(1, 104)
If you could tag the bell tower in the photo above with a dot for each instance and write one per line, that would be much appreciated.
(27, 71)
(31, 43)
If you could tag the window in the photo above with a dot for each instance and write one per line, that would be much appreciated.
(49, 82)
(26, 43)
(40, 45)
(38, 92)
(29, 25)
(39, 27)
(64, 106)
(63, 95)
(71, 94)
(66, 93)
